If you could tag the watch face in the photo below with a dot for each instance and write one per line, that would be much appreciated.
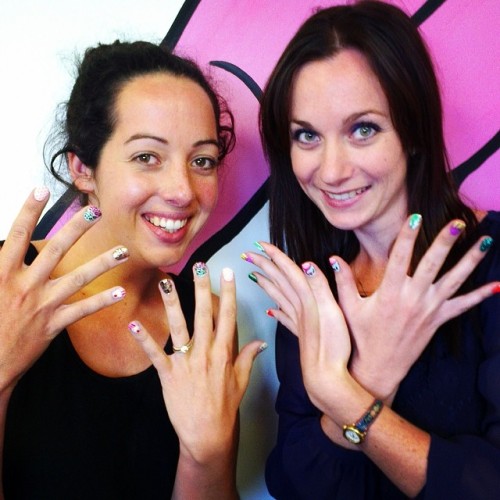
(352, 436)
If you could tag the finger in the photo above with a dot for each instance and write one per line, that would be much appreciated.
(62, 241)
(16, 244)
(226, 319)
(346, 284)
(176, 321)
(288, 322)
(455, 277)
(71, 313)
(280, 270)
(203, 317)
(458, 305)
(274, 293)
(401, 254)
(430, 264)
(244, 362)
(70, 283)
(153, 350)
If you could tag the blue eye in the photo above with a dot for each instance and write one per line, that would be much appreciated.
(305, 136)
(364, 130)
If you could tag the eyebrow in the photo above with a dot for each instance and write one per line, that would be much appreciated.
(137, 137)
(349, 119)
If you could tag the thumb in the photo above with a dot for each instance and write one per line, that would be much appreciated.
(244, 362)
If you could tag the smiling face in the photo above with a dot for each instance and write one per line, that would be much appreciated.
(345, 152)
(156, 181)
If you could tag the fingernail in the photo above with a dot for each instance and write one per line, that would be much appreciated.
(269, 312)
(253, 277)
(334, 264)
(262, 347)
(166, 286)
(259, 246)
(496, 289)
(118, 293)
(228, 274)
(200, 269)
(415, 221)
(91, 213)
(457, 227)
(121, 253)
(134, 328)
(486, 244)
(246, 257)
(40, 193)
(308, 269)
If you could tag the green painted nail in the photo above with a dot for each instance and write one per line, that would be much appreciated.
(259, 246)
(486, 244)
(415, 221)
(253, 277)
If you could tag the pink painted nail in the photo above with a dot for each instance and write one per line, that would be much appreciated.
(41, 193)
(247, 257)
(91, 213)
(308, 269)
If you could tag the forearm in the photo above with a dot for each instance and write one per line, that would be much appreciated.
(215, 480)
(398, 448)
(4, 403)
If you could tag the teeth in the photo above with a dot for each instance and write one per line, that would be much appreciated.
(346, 196)
(169, 225)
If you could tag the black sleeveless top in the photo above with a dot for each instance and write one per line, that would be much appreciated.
(74, 434)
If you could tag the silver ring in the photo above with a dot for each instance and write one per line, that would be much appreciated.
(184, 348)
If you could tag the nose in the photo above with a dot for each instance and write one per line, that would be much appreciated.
(335, 163)
(176, 186)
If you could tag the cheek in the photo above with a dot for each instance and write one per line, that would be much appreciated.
(208, 192)
(302, 165)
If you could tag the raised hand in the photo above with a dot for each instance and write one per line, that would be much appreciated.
(32, 305)
(204, 380)
(392, 327)
(306, 306)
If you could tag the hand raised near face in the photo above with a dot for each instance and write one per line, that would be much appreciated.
(32, 305)
(307, 307)
(204, 380)
(392, 327)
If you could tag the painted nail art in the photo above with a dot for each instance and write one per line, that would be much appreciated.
(486, 244)
(91, 213)
(457, 227)
(262, 347)
(228, 274)
(415, 221)
(334, 264)
(200, 269)
(308, 269)
(40, 193)
(496, 289)
(247, 257)
(166, 286)
(120, 253)
(134, 327)
(259, 247)
(118, 293)
(269, 312)
(253, 277)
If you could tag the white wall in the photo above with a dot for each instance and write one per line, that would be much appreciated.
(38, 41)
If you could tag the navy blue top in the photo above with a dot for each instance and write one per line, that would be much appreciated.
(454, 397)
(73, 434)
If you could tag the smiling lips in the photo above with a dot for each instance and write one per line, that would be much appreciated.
(168, 225)
(347, 195)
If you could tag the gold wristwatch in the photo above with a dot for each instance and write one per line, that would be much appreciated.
(356, 433)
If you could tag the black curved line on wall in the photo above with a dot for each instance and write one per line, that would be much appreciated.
(469, 166)
(426, 11)
(179, 25)
(241, 75)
